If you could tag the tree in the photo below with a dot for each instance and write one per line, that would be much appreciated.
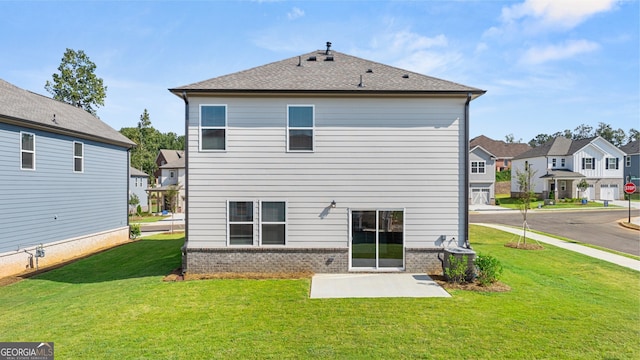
(616, 137)
(172, 195)
(582, 132)
(633, 135)
(524, 179)
(540, 139)
(133, 202)
(77, 83)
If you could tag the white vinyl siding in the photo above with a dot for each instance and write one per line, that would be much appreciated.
(368, 154)
(78, 157)
(27, 151)
(213, 127)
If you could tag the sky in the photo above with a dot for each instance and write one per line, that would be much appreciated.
(547, 65)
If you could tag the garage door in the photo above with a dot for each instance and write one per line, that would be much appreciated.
(480, 196)
(608, 192)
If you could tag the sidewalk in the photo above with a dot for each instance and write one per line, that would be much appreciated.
(595, 253)
(164, 225)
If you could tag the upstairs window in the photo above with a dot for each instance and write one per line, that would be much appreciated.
(300, 126)
(588, 163)
(562, 162)
(627, 161)
(213, 127)
(78, 157)
(554, 163)
(27, 151)
(477, 167)
(612, 164)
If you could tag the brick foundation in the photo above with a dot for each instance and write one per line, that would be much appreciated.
(277, 260)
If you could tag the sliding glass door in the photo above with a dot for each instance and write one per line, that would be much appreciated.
(377, 239)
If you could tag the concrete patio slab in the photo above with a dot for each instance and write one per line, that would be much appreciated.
(374, 285)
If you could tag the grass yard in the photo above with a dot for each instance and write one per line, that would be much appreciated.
(114, 305)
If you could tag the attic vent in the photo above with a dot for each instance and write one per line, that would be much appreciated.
(369, 71)
(312, 58)
(329, 58)
(405, 76)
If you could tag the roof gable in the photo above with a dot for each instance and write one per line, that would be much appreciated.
(561, 146)
(499, 149)
(321, 72)
(28, 109)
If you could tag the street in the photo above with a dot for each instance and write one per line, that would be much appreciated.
(596, 227)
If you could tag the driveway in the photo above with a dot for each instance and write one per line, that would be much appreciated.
(597, 227)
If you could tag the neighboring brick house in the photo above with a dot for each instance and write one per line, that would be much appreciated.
(325, 162)
(632, 163)
(561, 164)
(65, 177)
(504, 152)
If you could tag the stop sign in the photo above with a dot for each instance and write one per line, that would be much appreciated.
(629, 188)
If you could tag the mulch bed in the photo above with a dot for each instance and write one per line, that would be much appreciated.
(523, 246)
(470, 286)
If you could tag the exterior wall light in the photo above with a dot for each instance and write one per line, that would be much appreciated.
(333, 204)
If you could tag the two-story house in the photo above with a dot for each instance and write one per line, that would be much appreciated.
(173, 174)
(632, 163)
(64, 177)
(324, 162)
(138, 184)
(503, 152)
(482, 176)
(164, 157)
(561, 164)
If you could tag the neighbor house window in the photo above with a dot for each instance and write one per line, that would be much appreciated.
(612, 163)
(273, 222)
(588, 163)
(563, 185)
(300, 124)
(172, 174)
(477, 167)
(562, 162)
(213, 127)
(27, 151)
(627, 161)
(554, 163)
(78, 157)
(240, 223)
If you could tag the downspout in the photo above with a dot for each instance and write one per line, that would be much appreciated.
(186, 182)
(128, 183)
(465, 236)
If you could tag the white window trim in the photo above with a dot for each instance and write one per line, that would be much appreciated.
(252, 222)
(28, 151)
(225, 128)
(589, 164)
(313, 128)
(610, 161)
(81, 157)
(285, 223)
(484, 167)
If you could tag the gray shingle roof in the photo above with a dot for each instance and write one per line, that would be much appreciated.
(631, 148)
(499, 148)
(135, 172)
(32, 110)
(559, 146)
(336, 72)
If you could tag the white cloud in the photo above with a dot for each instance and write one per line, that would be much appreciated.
(539, 55)
(556, 13)
(295, 13)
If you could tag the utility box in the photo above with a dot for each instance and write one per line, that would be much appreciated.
(458, 254)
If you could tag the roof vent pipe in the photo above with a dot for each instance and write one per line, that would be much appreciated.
(328, 52)
(299, 60)
(361, 84)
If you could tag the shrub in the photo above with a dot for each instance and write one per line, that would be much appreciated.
(139, 210)
(497, 201)
(134, 231)
(489, 269)
(457, 270)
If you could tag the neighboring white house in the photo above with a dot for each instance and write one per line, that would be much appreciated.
(561, 164)
(138, 184)
(482, 176)
(324, 162)
(173, 174)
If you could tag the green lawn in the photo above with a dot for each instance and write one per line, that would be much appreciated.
(114, 305)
